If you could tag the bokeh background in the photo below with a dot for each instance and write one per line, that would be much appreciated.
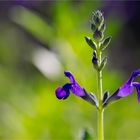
(41, 39)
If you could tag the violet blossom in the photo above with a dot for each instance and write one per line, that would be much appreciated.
(126, 89)
(64, 91)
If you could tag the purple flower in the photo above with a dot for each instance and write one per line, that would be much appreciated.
(64, 91)
(126, 89)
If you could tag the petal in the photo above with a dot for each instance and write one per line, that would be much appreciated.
(77, 90)
(70, 76)
(134, 75)
(125, 90)
(67, 87)
(75, 87)
(137, 85)
(60, 93)
(63, 92)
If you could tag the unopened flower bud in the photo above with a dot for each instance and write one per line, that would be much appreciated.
(97, 18)
(105, 97)
(95, 60)
(98, 35)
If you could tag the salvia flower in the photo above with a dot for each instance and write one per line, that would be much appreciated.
(64, 91)
(126, 89)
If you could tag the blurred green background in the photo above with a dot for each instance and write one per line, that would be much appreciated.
(41, 39)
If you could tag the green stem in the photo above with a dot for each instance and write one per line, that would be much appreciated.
(100, 109)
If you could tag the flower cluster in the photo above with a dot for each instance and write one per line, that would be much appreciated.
(125, 90)
(98, 44)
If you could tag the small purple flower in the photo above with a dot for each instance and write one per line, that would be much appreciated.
(64, 91)
(126, 89)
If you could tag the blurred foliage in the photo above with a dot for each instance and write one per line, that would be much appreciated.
(28, 106)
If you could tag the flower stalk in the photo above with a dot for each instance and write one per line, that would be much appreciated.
(98, 23)
(100, 109)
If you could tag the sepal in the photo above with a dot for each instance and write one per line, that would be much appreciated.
(105, 96)
(90, 43)
(103, 63)
(91, 98)
(105, 43)
(112, 99)
(103, 27)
